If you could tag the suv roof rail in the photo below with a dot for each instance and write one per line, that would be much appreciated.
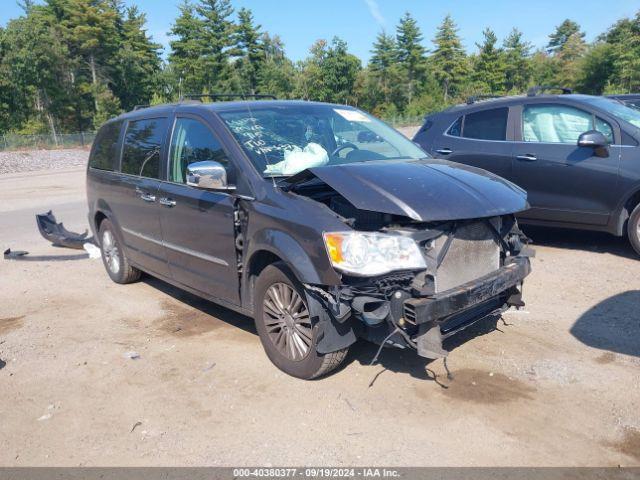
(538, 89)
(138, 107)
(476, 98)
(226, 96)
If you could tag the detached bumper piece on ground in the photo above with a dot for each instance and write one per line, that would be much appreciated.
(59, 236)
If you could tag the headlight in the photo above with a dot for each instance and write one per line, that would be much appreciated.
(363, 253)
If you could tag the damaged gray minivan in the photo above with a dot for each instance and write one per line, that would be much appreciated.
(320, 221)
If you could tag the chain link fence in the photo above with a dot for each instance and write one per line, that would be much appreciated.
(12, 142)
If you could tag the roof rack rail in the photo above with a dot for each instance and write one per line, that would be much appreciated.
(476, 98)
(538, 89)
(226, 96)
(138, 107)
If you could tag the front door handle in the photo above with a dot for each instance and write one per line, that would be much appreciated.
(167, 202)
(444, 151)
(147, 197)
(527, 158)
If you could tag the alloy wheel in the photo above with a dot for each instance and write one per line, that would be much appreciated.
(287, 321)
(111, 252)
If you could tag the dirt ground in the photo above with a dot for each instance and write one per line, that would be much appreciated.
(555, 384)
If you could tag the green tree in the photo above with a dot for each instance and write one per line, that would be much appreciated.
(411, 53)
(330, 74)
(216, 41)
(517, 53)
(624, 54)
(277, 75)
(568, 60)
(138, 62)
(89, 28)
(449, 60)
(489, 67)
(561, 35)
(250, 51)
(187, 51)
(380, 86)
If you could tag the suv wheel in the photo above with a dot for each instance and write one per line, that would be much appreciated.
(284, 324)
(633, 229)
(113, 256)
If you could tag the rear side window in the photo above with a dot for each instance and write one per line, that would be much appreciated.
(456, 128)
(142, 144)
(104, 153)
(487, 124)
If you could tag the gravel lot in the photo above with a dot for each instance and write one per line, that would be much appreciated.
(555, 384)
(30, 160)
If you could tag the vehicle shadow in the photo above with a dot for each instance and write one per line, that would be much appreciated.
(407, 360)
(596, 242)
(205, 306)
(391, 359)
(613, 324)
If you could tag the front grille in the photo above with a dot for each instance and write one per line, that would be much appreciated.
(473, 253)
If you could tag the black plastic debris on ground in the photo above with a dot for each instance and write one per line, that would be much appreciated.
(2, 364)
(10, 255)
(59, 236)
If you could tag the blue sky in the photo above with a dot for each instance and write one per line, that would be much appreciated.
(300, 22)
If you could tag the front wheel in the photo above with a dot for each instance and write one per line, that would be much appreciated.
(633, 229)
(284, 324)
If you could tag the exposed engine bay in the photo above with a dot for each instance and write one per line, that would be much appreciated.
(474, 269)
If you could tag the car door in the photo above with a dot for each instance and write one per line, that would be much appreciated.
(134, 202)
(198, 225)
(479, 139)
(564, 182)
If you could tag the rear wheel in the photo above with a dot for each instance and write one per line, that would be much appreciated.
(633, 229)
(284, 324)
(114, 257)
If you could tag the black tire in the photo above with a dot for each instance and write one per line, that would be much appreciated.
(114, 257)
(633, 229)
(307, 365)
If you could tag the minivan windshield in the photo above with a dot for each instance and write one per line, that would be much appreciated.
(282, 140)
(616, 109)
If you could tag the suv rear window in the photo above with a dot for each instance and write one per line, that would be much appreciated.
(103, 155)
(142, 143)
(486, 124)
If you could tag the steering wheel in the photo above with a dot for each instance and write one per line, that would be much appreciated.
(342, 147)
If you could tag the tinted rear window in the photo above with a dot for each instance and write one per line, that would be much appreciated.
(142, 143)
(486, 125)
(104, 153)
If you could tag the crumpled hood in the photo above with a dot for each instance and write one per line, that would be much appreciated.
(425, 190)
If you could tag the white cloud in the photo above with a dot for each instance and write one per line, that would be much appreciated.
(374, 10)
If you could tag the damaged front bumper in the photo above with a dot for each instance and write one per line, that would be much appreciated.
(418, 322)
(442, 315)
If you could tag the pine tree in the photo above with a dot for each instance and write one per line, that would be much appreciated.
(561, 35)
(250, 51)
(568, 65)
(216, 41)
(89, 28)
(277, 74)
(489, 68)
(187, 51)
(449, 60)
(138, 61)
(517, 60)
(411, 53)
(384, 53)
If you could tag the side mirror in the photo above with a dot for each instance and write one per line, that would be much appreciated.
(596, 140)
(208, 175)
(593, 139)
